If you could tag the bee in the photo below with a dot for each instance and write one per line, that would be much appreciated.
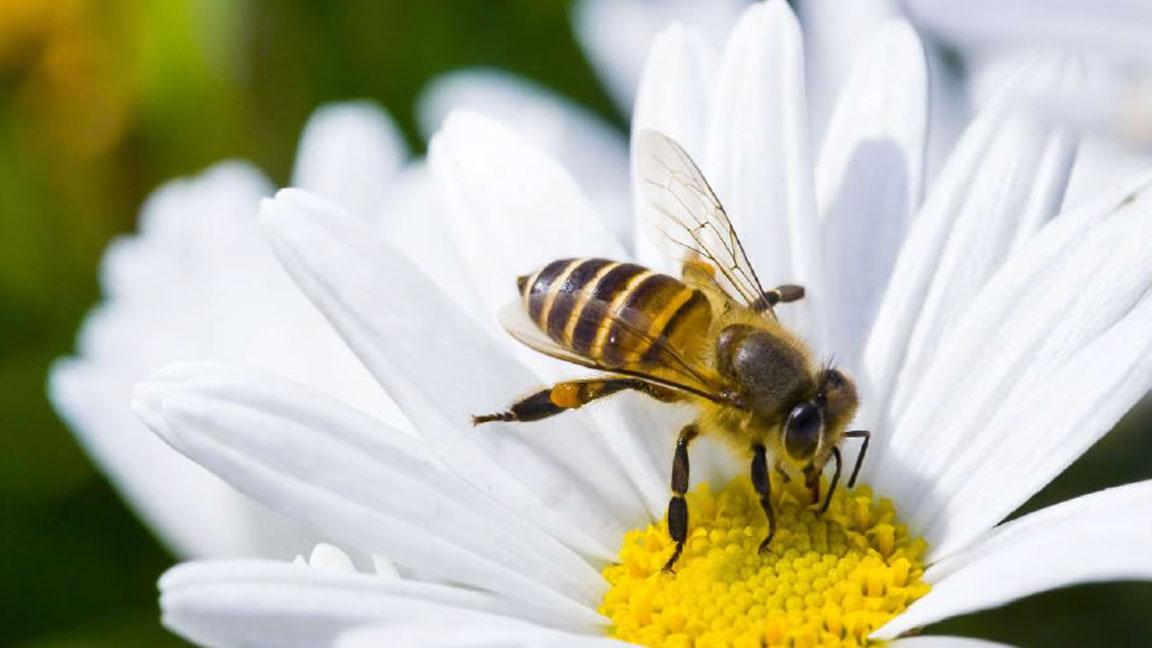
(710, 338)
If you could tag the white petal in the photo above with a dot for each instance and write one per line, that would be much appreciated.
(1005, 178)
(584, 144)
(414, 222)
(617, 34)
(1052, 353)
(1119, 29)
(869, 180)
(1099, 537)
(358, 481)
(442, 368)
(513, 209)
(326, 557)
(757, 155)
(674, 99)
(200, 280)
(944, 642)
(473, 631)
(349, 153)
(189, 508)
(259, 603)
(383, 567)
(1099, 162)
(836, 33)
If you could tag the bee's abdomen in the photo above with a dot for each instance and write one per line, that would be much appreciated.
(608, 311)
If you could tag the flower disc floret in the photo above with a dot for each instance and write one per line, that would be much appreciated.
(826, 579)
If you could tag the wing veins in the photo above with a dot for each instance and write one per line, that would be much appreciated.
(685, 183)
(741, 281)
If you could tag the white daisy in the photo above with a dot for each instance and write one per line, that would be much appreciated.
(346, 155)
(1006, 342)
(199, 278)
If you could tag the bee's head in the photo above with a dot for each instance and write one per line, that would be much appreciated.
(815, 426)
(774, 377)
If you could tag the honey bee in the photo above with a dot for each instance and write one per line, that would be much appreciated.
(710, 338)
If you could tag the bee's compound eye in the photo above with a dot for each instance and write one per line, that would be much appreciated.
(802, 431)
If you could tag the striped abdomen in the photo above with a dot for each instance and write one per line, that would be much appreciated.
(613, 312)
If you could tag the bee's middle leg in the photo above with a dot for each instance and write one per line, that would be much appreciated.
(763, 485)
(678, 506)
(571, 395)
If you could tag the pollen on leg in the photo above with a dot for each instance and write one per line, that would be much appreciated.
(825, 580)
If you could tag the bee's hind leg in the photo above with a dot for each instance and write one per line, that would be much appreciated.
(678, 506)
(571, 395)
(763, 485)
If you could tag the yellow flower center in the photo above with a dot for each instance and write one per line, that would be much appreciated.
(825, 580)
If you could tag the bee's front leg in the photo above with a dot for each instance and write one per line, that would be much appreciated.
(812, 483)
(781, 472)
(763, 486)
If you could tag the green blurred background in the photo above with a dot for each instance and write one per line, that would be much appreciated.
(102, 100)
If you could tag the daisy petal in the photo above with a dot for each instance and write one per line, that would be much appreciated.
(991, 424)
(582, 142)
(513, 209)
(1120, 29)
(414, 223)
(617, 34)
(1005, 178)
(757, 154)
(348, 153)
(360, 482)
(192, 510)
(474, 631)
(1099, 537)
(202, 281)
(944, 642)
(869, 179)
(674, 98)
(257, 603)
(836, 34)
(412, 336)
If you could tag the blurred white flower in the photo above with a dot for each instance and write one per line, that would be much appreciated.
(1004, 340)
(970, 43)
(592, 150)
(199, 281)
(1113, 39)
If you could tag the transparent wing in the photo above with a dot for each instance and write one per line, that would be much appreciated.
(691, 216)
(653, 359)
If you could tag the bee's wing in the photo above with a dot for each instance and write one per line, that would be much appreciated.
(663, 364)
(691, 216)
